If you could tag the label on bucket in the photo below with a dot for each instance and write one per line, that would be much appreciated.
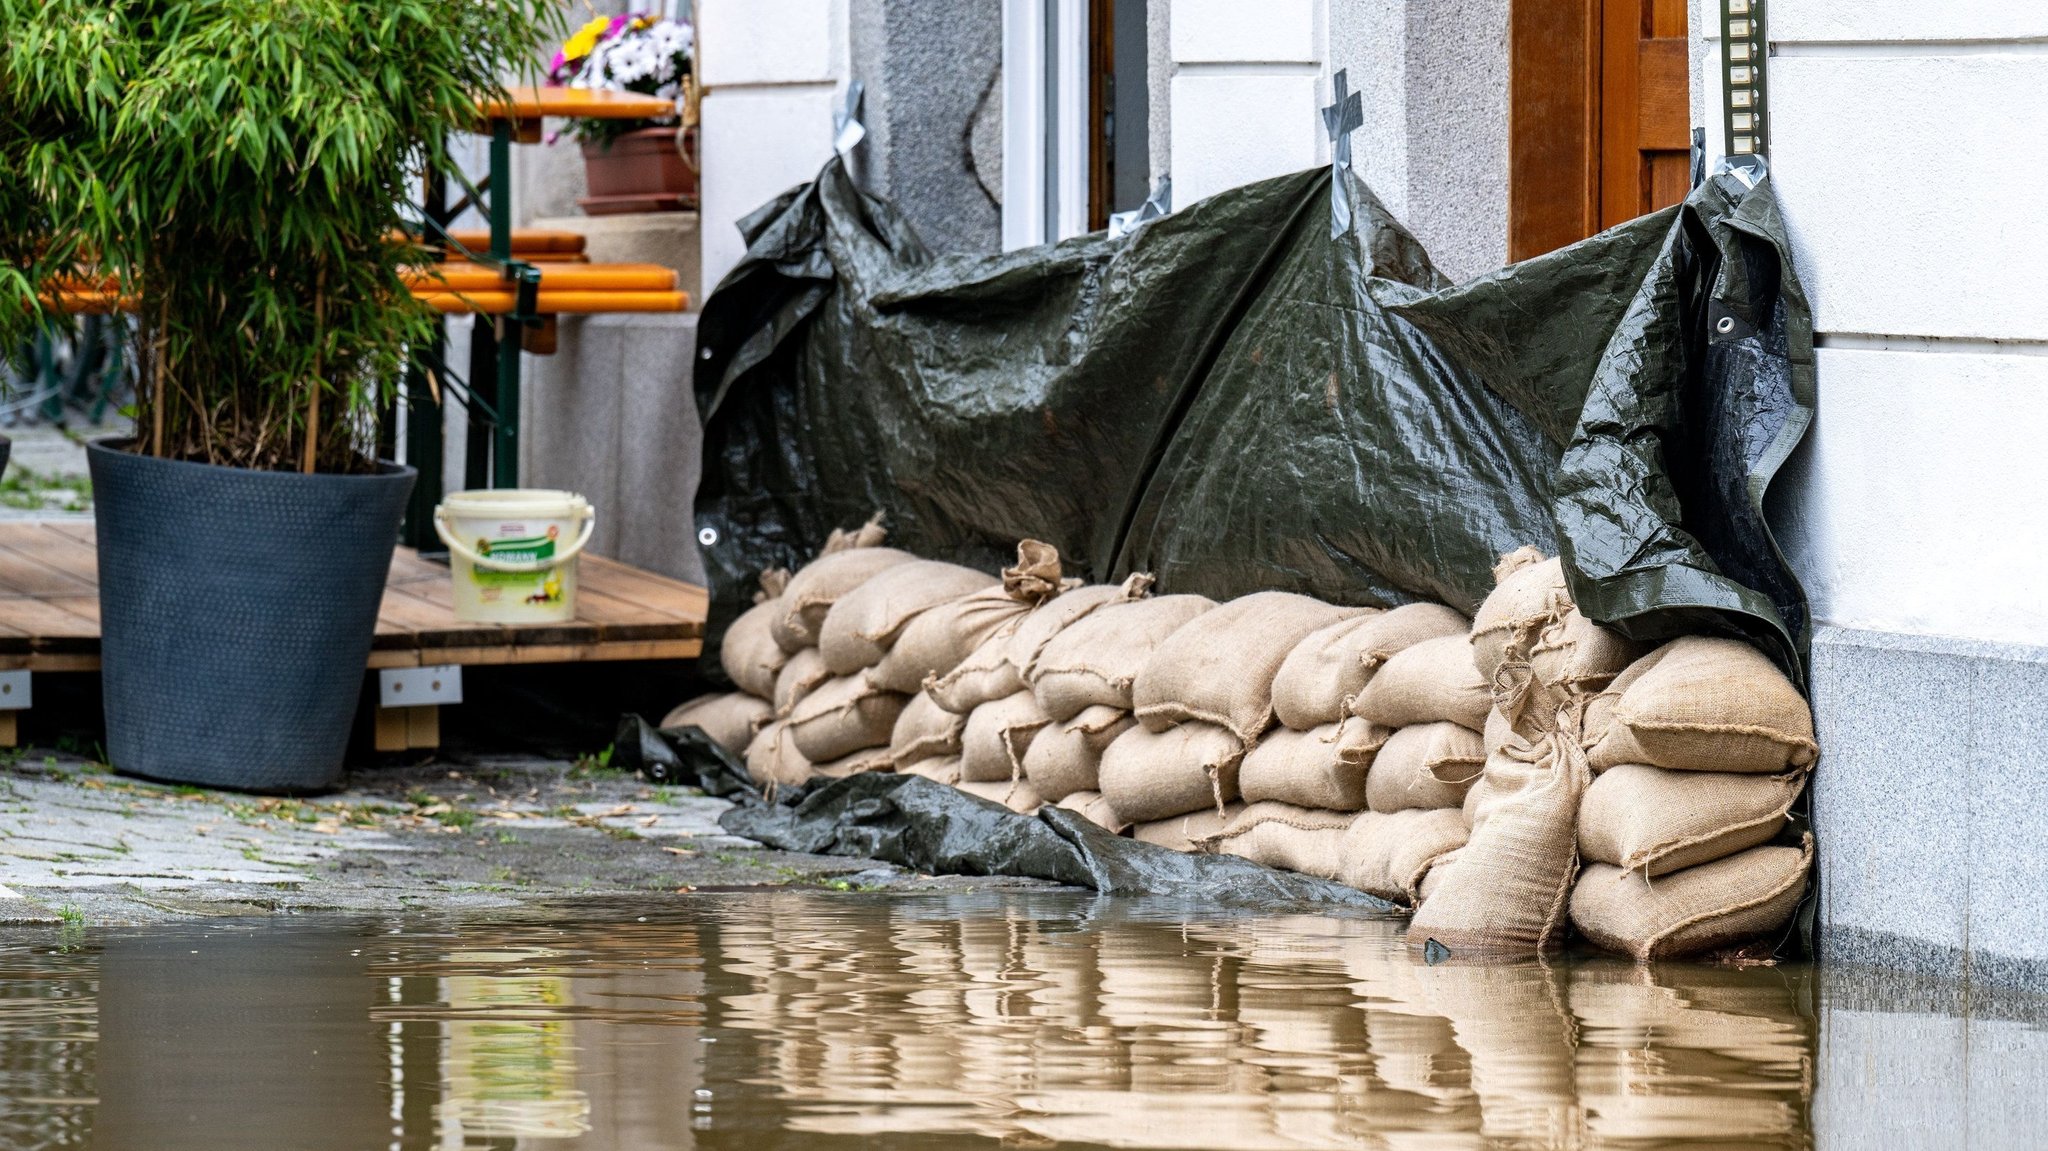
(532, 549)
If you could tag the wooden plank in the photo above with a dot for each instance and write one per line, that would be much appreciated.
(1553, 124)
(1664, 96)
(441, 594)
(647, 589)
(433, 624)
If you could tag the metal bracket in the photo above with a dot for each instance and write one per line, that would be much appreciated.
(419, 686)
(15, 693)
(1745, 130)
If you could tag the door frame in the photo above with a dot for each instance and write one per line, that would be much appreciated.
(1045, 120)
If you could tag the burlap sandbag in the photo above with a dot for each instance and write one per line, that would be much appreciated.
(1709, 704)
(1655, 821)
(868, 535)
(862, 624)
(859, 763)
(750, 656)
(1718, 904)
(1529, 590)
(1435, 876)
(842, 716)
(1015, 794)
(935, 643)
(1600, 708)
(1424, 767)
(1096, 659)
(814, 589)
(803, 674)
(1323, 768)
(1187, 832)
(941, 769)
(1090, 805)
(1430, 682)
(1557, 663)
(1326, 670)
(1001, 664)
(1389, 855)
(1507, 894)
(925, 731)
(992, 744)
(1287, 837)
(773, 762)
(730, 719)
(1219, 667)
(1149, 775)
(1064, 757)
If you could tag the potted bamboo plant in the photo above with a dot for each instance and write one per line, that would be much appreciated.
(634, 165)
(238, 174)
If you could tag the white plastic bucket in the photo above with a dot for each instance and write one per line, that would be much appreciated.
(513, 553)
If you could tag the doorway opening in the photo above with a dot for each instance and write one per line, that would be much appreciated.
(1076, 138)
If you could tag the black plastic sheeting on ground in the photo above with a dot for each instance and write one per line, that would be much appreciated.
(1235, 401)
(916, 823)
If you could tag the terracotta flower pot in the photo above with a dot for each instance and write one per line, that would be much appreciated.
(640, 171)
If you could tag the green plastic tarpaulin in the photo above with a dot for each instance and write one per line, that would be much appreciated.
(1236, 401)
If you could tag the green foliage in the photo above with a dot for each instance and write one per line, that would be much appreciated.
(242, 170)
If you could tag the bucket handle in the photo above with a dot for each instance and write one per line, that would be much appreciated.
(457, 546)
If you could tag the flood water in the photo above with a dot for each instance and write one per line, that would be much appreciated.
(825, 1020)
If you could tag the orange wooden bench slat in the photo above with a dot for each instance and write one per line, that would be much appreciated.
(529, 103)
(524, 240)
(564, 303)
(462, 276)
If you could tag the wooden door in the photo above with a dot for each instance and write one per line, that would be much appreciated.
(1600, 117)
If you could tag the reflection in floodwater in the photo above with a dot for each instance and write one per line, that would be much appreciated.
(792, 1019)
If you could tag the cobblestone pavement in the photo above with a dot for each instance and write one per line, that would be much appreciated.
(78, 843)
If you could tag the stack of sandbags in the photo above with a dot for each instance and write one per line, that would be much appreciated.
(753, 661)
(1369, 707)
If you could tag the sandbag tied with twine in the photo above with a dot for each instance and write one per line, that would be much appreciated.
(1001, 664)
(859, 763)
(731, 720)
(861, 625)
(1706, 703)
(1425, 766)
(1091, 806)
(868, 535)
(1330, 666)
(843, 716)
(993, 743)
(944, 635)
(1656, 821)
(1389, 855)
(1529, 591)
(1324, 768)
(1148, 775)
(750, 656)
(803, 674)
(1015, 794)
(1065, 757)
(925, 731)
(1434, 877)
(1190, 832)
(813, 590)
(942, 769)
(1096, 659)
(1219, 667)
(1730, 900)
(1507, 893)
(1290, 838)
(1431, 682)
(773, 761)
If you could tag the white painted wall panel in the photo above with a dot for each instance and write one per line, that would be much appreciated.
(1232, 130)
(1271, 31)
(1912, 187)
(768, 41)
(1906, 19)
(757, 143)
(1918, 508)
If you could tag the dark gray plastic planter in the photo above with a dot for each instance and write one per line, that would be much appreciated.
(236, 613)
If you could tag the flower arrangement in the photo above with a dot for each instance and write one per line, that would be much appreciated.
(644, 54)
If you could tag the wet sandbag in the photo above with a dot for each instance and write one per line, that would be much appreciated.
(803, 674)
(1330, 666)
(936, 642)
(1064, 757)
(863, 623)
(1324, 768)
(1219, 667)
(1575, 656)
(1187, 832)
(939, 769)
(1714, 905)
(1287, 837)
(1389, 855)
(1096, 659)
(1015, 794)
(925, 731)
(1001, 664)
(1655, 821)
(750, 656)
(1431, 682)
(1529, 591)
(1427, 766)
(730, 719)
(1434, 878)
(842, 716)
(773, 760)
(1506, 895)
(819, 584)
(1150, 775)
(1090, 805)
(872, 759)
(1709, 704)
(992, 744)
